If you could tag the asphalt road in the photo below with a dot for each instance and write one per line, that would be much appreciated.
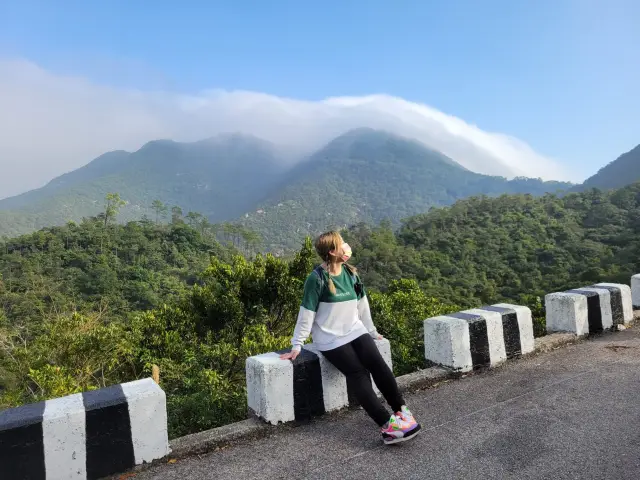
(573, 413)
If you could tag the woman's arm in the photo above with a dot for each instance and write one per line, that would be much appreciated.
(307, 312)
(365, 312)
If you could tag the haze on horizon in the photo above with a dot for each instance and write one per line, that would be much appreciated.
(54, 124)
(544, 90)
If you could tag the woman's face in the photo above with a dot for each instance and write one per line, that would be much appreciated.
(342, 253)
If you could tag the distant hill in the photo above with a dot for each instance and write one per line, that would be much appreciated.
(221, 178)
(623, 171)
(366, 176)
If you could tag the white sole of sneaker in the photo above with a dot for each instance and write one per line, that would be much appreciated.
(402, 439)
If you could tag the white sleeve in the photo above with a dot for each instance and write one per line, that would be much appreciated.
(303, 328)
(365, 316)
(307, 313)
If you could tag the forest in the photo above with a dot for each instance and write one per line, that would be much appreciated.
(94, 303)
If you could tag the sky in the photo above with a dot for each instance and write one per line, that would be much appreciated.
(545, 88)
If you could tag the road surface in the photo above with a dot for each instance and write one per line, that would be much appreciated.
(573, 413)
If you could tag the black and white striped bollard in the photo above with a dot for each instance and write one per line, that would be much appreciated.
(87, 435)
(479, 337)
(286, 391)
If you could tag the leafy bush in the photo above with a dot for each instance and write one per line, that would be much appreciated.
(90, 305)
(71, 354)
(399, 315)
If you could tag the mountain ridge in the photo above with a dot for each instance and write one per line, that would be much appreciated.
(362, 175)
(622, 171)
(191, 175)
(369, 175)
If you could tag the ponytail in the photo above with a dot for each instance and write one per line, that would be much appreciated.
(332, 287)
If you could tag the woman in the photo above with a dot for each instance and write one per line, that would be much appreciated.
(335, 311)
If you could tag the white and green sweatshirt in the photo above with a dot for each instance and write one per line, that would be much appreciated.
(332, 320)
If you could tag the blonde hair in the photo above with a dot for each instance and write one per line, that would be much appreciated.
(324, 244)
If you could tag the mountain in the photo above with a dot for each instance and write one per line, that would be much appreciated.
(364, 175)
(368, 175)
(221, 178)
(622, 171)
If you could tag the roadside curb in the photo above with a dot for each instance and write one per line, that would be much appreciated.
(208, 440)
(554, 341)
(422, 379)
(252, 428)
(221, 437)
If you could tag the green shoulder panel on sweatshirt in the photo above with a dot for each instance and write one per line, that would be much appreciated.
(312, 292)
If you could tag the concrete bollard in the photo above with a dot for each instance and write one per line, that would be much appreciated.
(86, 435)
(479, 337)
(566, 312)
(635, 291)
(591, 309)
(621, 302)
(284, 391)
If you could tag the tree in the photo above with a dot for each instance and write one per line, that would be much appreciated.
(160, 209)
(251, 239)
(193, 218)
(176, 215)
(203, 224)
(113, 204)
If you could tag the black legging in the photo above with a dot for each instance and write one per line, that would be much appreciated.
(357, 361)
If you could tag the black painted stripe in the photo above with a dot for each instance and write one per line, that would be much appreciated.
(510, 329)
(308, 398)
(478, 338)
(593, 309)
(22, 443)
(108, 429)
(617, 311)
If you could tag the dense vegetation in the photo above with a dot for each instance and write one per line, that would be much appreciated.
(513, 247)
(91, 304)
(364, 175)
(85, 306)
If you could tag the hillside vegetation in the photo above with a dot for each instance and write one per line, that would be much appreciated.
(364, 175)
(512, 247)
(93, 304)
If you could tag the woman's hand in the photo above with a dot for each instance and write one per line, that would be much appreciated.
(290, 355)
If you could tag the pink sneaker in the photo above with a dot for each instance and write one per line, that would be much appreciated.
(406, 415)
(397, 430)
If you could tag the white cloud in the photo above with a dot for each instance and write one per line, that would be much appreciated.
(50, 124)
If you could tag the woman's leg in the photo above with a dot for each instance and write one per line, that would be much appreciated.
(369, 356)
(346, 360)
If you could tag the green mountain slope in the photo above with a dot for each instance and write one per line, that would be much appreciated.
(220, 177)
(624, 170)
(366, 176)
(106, 164)
(363, 175)
(514, 247)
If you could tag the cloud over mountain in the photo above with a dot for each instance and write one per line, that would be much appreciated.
(51, 123)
